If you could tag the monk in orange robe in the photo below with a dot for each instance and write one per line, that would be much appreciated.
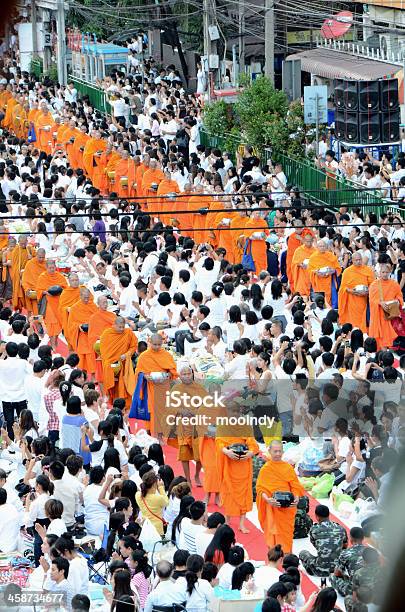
(68, 137)
(93, 149)
(258, 235)
(156, 359)
(70, 295)
(223, 222)
(105, 163)
(139, 172)
(184, 219)
(352, 301)
(44, 128)
(33, 269)
(295, 240)
(381, 292)
(33, 113)
(5, 95)
(235, 473)
(211, 235)
(8, 118)
(237, 234)
(19, 257)
(124, 175)
(78, 326)
(277, 475)
(299, 266)
(76, 152)
(117, 345)
(150, 183)
(7, 245)
(321, 281)
(198, 220)
(49, 279)
(163, 204)
(98, 322)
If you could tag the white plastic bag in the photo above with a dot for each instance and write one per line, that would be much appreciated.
(364, 508)
(149, 535)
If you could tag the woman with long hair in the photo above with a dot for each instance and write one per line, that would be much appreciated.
(218, 550)
(121, 587)
(27, 425)
(198, 593)
(185, 504)
(140, 582)
(152, 500)
(321, 601)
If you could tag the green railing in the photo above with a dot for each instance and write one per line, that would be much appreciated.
(98, 97)
(313, 181)
(37, 66)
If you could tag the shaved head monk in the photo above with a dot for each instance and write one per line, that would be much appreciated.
(299, 266)
(277, 522)
(98, 322)
(322, 267)
(383, 292)
(56, 282)
(19, 257)
(78, 326)
(151, 363)
(70, 296)
(33, 269)
(295, 240)
(353, 293)
(117, 345)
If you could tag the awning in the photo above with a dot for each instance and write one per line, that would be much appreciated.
(336, 65)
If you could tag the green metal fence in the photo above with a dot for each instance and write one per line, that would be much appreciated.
(313, 181)
(98, 97)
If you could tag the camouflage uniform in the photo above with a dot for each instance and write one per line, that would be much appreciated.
(328, 538)
(303, 522)
(371, 577)
(349, 561)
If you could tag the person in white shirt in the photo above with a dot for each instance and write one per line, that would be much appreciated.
(128, 295)
(70, 93)
(78, 577)
(64, 492)
(204, 538)
(215, 345)
(236, 368)
(269, 574)
(10, 524)
(197, 592)
(165, 593)
(12, 497)
(191, 527)
(12, 392)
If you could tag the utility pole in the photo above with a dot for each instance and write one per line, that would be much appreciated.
(207, 46)
(61, 41)
(269, 40)
(241, 36)
(34, 28)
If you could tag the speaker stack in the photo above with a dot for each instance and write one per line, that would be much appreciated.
(367, 112)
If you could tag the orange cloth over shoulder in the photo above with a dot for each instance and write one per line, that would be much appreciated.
(44, 128)
(353, 308)
(223, 222)
(259, 247)
(320, 260)
(294, 241)
(163, 205)
(76, 152)
(114, 344)
(125, 177)
(235, 477)
(156, 361)
(237, 222)
(300, 275)
(53, 320)
(80, 314)
(92, 147)
(33, 269)
(19, 259)
(198, 220)
(380, 328)
(8, 117)
(277, 523)
(69, 296)
(98, 322)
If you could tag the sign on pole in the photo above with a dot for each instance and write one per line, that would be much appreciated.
(316, 104)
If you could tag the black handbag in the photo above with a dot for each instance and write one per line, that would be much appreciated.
(284, 498)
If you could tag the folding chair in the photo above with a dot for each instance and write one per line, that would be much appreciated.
(98, 561)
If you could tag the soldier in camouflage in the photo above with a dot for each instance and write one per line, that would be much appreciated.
(350, 560)
(368, 579)
(328, 538)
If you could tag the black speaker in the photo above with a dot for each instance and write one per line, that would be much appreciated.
(369, 128)
(389, 99)
(369, 96)
(340, 124)
(351, 127)
(339, 93)
(351, 95)
(390, 121)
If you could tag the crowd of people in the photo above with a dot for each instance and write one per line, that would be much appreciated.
(136, 264)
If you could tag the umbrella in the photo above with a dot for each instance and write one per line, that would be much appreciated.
(337, 26)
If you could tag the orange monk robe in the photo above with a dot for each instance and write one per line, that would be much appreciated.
(208, 459)
(59, 134)
(79, 314)
(17, 120)
(8, 117)
(76, 155)
(98, 322)
(198, 220)
(24, 124)
(151, 175)
(380, 328)
(68, 297)
(66, 136)
(33, 269)
(33, 114)
(4, 98)
(353, 308)
(299, 275)
(224, 233)
(53, 320)
(44, 128)
(237, 244)
(259, 248)
(323, 284)
(186, 432)
(235, 477)
(293, 243)
(106, 163)
(92, 146)
(277, 523)
(139, 172)
(211, 235)
(19, 258)
(161, 205)
(124, 177)
(113, 345)
(156, 361)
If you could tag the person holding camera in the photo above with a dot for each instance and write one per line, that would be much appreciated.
(277, 509)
